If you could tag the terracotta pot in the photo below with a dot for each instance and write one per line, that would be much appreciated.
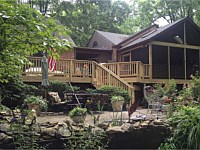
(117, 105)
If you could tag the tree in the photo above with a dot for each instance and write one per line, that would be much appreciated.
(149, 11)
(24, 31)
(83, 17)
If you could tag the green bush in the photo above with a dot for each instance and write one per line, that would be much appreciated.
(31, 99)
(185, 129)
(117, 98)
(77, 111)
(14, 91)
(112, 91)
(60, 87)
(195, 88)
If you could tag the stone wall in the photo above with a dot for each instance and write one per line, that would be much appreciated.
(143, 134)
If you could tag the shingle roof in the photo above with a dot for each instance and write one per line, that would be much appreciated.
(113, 37)
(151, 35)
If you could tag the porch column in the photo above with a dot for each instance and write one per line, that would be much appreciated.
(150, 61)
(185, 63)
(168, 50)
(199, 59)
(184, 28)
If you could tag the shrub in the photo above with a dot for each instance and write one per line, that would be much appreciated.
(60, 87)
(14, 91)
(112, 91)
(117, 98)
(185, 129)
(36, 100)
(195, 87)
(77, 111)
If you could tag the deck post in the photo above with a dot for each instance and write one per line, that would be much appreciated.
(150, 61)
(71, 70)
(118, 69)
(93, 72)
(185, 64)
(168, 50)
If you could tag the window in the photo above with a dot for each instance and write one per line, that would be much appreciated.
(95, 44)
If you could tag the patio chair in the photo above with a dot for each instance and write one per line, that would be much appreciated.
(153, 99)
(55, 102)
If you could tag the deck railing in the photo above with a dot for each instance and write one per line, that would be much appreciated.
(129, 69)
(63, 67)
(104, 76)
(99, 74)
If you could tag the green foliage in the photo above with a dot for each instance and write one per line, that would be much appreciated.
(83, 17)
(60, 87)
(117, 98)
(112, 91)
(14, 91)
(195, 88)
(87, 140)
(169, 89)
(24, 31)
(191, 91)
(186, 129)
(77, 111)
(31, 99)
(24, 137)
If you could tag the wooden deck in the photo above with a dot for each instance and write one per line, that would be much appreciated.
(76, 71)
(120, 74)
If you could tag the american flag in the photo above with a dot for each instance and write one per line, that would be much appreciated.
(52, 64)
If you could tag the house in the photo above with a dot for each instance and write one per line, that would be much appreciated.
(153, 55)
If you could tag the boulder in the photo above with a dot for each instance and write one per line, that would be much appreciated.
(114, 129)
(158, 122)
(127, 127)
(136, 124)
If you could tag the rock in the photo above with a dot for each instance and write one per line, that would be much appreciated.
(48, 131)
(127, 127)
(65, 132)
(97, 130)
(4, 127)
(103, 125)
(2, 136)
(145, 123)
(114, 129)
(136, 124)
(158, 122)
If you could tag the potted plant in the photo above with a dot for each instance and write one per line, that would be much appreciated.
(36, 102)
(78, 114)
(117, 102)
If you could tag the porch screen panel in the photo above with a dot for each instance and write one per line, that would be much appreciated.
(192, 62)
(177, 68)
(159, 62)
(141, 54)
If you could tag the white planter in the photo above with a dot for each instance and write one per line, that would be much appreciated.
(79, 119)
(117, 105)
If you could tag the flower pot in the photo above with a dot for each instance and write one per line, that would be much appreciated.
(79, 119)
(117, 105)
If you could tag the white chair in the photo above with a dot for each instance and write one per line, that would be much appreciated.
(153, 99)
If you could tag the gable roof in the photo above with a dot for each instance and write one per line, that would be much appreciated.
(113, 37)
(155, 33)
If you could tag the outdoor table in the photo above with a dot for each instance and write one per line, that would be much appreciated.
(83, 97)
